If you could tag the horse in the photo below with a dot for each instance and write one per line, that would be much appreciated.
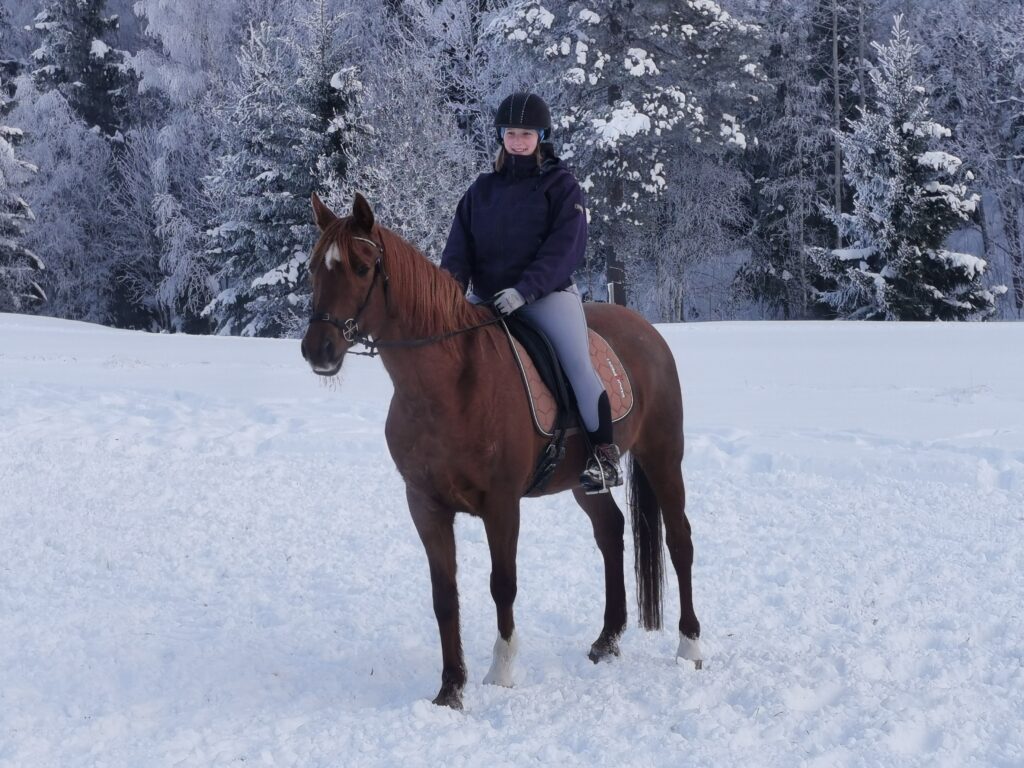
(460, 432)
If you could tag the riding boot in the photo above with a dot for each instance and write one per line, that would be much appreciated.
(602, 471)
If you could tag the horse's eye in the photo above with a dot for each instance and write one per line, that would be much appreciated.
(361, 270)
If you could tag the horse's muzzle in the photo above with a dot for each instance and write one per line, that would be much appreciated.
(321, 354)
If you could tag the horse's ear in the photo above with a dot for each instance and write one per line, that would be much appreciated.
(322, 215)
(362, 214)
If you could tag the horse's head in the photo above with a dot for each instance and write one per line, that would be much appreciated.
(345, 271)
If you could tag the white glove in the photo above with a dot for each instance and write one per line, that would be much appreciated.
(508, 301)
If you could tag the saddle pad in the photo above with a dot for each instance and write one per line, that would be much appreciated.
(606, 363)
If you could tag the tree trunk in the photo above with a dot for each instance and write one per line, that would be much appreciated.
(615, 267)
(837, 122)
(803, 213)
(986, 235)
(862, 56)
(1011, 208)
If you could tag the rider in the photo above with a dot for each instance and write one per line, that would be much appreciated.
(519, 234)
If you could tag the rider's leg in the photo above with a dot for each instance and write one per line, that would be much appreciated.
(560, 316)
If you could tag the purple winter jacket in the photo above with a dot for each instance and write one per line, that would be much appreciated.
(522, 227)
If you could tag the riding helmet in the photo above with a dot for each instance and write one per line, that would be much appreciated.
(523, 110)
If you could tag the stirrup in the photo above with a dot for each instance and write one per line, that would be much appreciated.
(604, 464)
(594, 490)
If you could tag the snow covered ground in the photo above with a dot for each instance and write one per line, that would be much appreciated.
(205, 560)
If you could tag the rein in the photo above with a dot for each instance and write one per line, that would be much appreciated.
(350, 326)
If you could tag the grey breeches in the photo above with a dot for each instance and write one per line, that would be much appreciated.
(560, 316)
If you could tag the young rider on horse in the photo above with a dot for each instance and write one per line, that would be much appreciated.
(519, 234)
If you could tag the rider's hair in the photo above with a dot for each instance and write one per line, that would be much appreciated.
(499, 161)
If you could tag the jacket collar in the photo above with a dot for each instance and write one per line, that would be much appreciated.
(524, 166)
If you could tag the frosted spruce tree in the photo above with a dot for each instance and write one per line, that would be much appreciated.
(260, 190)
(75, 56)
(327, 99)
(329, 91)
(433, 74)
(975, 58)
(19, 266)
(908, 197)
(70, 198)
(814, 64)
(286, 131)
(838, 52)
(190, 61)
(634, 79)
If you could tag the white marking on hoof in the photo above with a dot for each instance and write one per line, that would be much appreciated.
(501, 665)
(689, 649)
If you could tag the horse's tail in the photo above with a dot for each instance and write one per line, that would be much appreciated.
(646, 514)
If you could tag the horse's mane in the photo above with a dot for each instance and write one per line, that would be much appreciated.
(430, 300)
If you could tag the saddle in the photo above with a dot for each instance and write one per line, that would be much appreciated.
(552, 402)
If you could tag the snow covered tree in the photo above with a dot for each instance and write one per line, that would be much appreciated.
(196, 67)
(19, 266)
(431, 76)
(477, 69)
(5, 27)
(908, 197)
(189, 63)
(636, 80)
(838, 57)
(70, 197)
(685, 241)
(260, 190)
(329, 91)
(12, 34)
(75, 57)
(790, 167)
(816, 64)
(156, 242)
(975, 58)
(195, 46)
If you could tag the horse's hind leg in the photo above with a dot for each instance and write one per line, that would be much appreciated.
(609, 526)
(662, 471)
(501, 523)
(436, 527)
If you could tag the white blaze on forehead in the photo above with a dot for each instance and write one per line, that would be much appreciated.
(332, 256)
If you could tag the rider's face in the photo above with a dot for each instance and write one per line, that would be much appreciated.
(521, 141)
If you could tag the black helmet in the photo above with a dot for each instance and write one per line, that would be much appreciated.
(523, 110)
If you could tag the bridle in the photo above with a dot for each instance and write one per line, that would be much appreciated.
(349, 327)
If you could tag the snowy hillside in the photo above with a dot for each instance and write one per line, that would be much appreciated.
(206, 561)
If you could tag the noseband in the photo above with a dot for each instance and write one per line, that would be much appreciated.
(349, 327)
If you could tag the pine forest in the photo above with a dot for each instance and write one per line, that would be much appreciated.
(741, 159)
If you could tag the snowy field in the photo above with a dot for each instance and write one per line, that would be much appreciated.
(206, 560)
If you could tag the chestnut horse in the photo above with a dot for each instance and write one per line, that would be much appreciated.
(460, 431)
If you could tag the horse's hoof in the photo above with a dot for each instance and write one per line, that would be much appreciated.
(604, 648)
(689, 649)
(449, 697)
(505, 652)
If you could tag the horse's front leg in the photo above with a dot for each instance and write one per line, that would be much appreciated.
(436, 527)
(501, 522)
